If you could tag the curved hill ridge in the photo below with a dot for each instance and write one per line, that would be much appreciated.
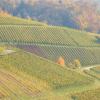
(78, 14)
(6, 19)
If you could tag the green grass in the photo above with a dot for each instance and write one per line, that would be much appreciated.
(55, 76)
(91, 94)
(93, 74)
(9, 20)
(38, 74)
(88, 95)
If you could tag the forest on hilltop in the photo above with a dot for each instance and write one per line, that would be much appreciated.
(78, 14)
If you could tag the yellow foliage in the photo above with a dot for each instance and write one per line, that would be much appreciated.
(83, 21)
(2, 13)
(77, 63)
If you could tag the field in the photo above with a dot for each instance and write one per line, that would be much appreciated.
(40, 70)
(29, 51)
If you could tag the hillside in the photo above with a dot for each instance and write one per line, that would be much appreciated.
(51, 42)
(13, 29)
(17, 73)
(29, 67)
(88, 56)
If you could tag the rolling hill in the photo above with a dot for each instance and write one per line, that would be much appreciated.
(51, 42)
(29, 71)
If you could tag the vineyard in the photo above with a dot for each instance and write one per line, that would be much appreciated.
(87, 56)
(31, 54)
(45, 35)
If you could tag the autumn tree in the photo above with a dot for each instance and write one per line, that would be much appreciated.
(61, 61)
(4, 13)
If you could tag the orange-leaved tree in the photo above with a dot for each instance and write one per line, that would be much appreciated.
(61, 61)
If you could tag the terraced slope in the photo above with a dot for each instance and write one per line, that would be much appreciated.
(17, 30)
(87, 55)
(33, 34)
(45, 35)
(50, 42)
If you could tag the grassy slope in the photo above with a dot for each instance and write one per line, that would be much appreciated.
(10, 20)
(38, 67)
(88, 95)
(53, 77)
(52, 81)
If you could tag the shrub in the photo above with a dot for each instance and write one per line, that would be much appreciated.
(77, 63)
